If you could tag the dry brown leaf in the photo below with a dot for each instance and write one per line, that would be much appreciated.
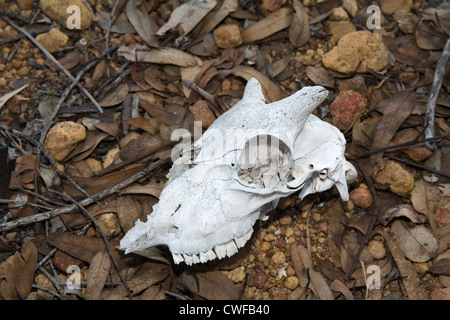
(395, 111)
(216, 16)
(84, 149)
(349, 250)
(429, 37)
(337, 285)
(402, 210)
(98, 272)
(148, 274)
(20, 273)
(359, 277)
(129, 210)
(152, 76)
(299, 33)
(441, 267)
(111, 128)
(187, 16)
(115, 96)
(153, 188)
(136, 53)
(149, 125)
(409, 276)
(425, 199)
(142, 24)
(303, 265)
(320, 76)
(417, 243)
(277, 21)
(211, 285)
(153, 293)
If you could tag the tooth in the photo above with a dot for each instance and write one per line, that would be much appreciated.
(195, 258)
(187, 259)
(240, 242)
(177, 258)
(231, 248)
(206, 256)
(220, 251)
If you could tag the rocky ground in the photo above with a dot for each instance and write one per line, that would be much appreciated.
(74, 179)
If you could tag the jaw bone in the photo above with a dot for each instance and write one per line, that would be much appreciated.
(250, 157)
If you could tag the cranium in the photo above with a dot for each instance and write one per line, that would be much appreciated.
(250, 157)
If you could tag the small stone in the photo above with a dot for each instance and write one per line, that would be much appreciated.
(57, 10)
(291, 282)
(52, 40)
(284, 203)
(390, 7)
(62, 261)
(63, 138)
(201, 112)
(285, 219)
(109, 224)
(257, 279)
(339, 14)
(269, 237)
(442, 215)
(377, 249)
(421, 267)
(361, 196)
(269, 6)
(227, 36)
(94, 164)
(279, 257)
(355, 83)
(42, 281)
(236, 275)
(351, 7)
(278, 294)
(357, 52)
(347, 108)
(441, 294)
(419, 153)
(265, 246)
(400, 181)
(25, 4)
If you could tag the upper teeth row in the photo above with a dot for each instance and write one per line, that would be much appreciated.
(219, 251)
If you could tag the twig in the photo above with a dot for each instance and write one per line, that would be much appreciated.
(121, 74)
(52, 59)
(20, 42)
(437, 84)
(102, 234)
(85, 202)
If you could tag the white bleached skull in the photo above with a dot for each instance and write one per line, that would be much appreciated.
(250, 157)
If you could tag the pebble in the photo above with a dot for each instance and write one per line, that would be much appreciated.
(400, 181)
(357, 51)
(52, 40)
(347, 108)
(265, 246)
(406, 135)
(339, 14)
(285, 219)
(269, 6)
(350, 6)
(236, 275)
(279, 257)
(57, 10)
(63, 138)
(441, 294)
(361, 196)
(291, 282)
(42, 281)
(109, 224)
(338, 29)
(377, 249)
(25, 4)
(227, 36)
(201, 112)
(390, 7)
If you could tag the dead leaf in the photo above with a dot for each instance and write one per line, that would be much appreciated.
(395, 111)
(153, 188)
(320, 76)
(98, 272)
(211, 285)
(337, 285)
(425, 199)
(216, 16)
(152, 76)
(142, 24)
(129, 210)
(136, 53)
(115, 96)
(417, 243)
(148, 274)
(11, 94)
(402, 210)
(299, 32)
(147, 124)
(20, 273)
(429, 37)
(277, 21)
(409, 276)
(303, 266)
(349, 250)
(441, 267)
(187, 16)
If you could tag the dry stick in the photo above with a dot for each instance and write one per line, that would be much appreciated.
(85, 202)
(20, 42)
(103, 236)
(431, 104)
(52, 59)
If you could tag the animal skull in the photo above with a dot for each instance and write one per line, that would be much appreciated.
(250, 157)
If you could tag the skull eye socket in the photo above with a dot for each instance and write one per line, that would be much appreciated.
(323, 174)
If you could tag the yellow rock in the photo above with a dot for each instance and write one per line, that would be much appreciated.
(52, 40)
(399, 180)
(63, 138)
(58, 10)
